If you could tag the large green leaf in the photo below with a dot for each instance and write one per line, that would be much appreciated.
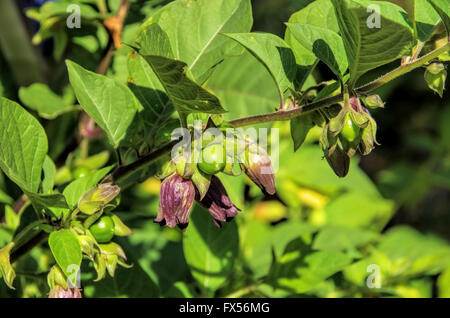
(42, 99)
(260, 239)
(111, 104)
(346, 210)
(23, 145)
(443, 10)
(426, 19)
(300, 127)
(184, 94)
(325, 44)
(209, 251)
(370, 47)
(319, 13)
(53, 200)
(48, 181)
(415, 253)
(194, 27)
(274, 53)
(244, 87)
(67, 251)
(147, 88)
(337, 238)
(301, 269)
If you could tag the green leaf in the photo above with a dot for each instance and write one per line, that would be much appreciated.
(274, 53)
(426, 19)
(300, 127)
(146, 86)
(185, 95)
(319, 13)
(48, 181)
(244, 87)
(23, 145)
(335, 238)
(6, 269)
(325, 44)
(301, 269)
(41, 98)
(194, 27)
(443, 283)
(259, 240)
(413, 253)
(345, 210)
(209, 251)
(67, 251)
(443, 9)
(76, 188)
(111, 104)
(5, 198)
(370, 47)
(42, 201)
(180, 290)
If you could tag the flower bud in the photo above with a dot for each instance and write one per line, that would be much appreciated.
(59, 292)
(183, 165)
(373, 101)
(96, 198)
(368, 137)
(56, 277)
(218, 202)
(87, 243)
(112, 248)
(257, 166)
(338, 161)
(6, 270)
(176, 198)
(435, 76)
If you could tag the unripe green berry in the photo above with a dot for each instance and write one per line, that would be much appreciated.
(213, 159)
(103, 229)
(350, 131)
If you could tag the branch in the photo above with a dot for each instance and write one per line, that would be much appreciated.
(124, 171)
(307, 108)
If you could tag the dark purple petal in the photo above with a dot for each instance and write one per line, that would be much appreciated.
(218, 202)
(176, 198)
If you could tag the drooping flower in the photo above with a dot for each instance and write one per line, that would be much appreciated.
(257, 166)
(218, 202)
(176, 198)
(96, 198)
(60, 292)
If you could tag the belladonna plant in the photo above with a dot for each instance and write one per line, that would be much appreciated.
(194, 61)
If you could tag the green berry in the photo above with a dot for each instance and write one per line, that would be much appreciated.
(80, 171)
(213, 159)
(103, 229)
(350, 131)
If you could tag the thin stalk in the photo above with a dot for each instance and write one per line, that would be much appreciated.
(307, 108)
